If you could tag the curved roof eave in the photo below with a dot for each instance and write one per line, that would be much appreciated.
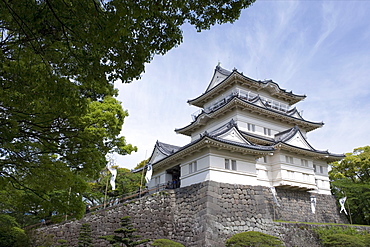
(196, 101)
(324, 155)
(256, 138)
(220, 70)
(294, 98)
(206, 141)
(185, 130)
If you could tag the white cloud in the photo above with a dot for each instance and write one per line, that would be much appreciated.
(317, 48)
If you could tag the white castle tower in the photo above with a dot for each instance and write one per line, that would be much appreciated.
(246, 132)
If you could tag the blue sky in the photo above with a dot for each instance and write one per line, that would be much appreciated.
(317, 48)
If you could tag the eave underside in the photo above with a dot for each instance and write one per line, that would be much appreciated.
(240, 104)
(315, 154)
(239, 79)
(207, 143)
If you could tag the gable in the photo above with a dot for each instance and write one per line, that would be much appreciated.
(298, 140)
(234, 135)
(259, 102)
(217, 79)
(295, 113)
(157, 155)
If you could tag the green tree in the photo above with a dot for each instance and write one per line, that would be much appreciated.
(126, 184)
(125, 235)
(253, 239)
(141, 164)
(84, 238)
(58, 62)
(10, 233)
(350, 177)
(69, 160)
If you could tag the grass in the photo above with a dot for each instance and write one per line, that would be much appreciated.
(318, 223)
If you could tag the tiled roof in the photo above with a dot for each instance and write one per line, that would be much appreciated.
(294, 98)
(215, 134)
(223, 71)
(167, 149)
(288, 115)
(284, 136)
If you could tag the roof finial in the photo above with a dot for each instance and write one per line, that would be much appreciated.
(218, 64)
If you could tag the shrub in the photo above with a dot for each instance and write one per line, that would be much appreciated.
(367, 240)
(84, 238)
(62, 243)
(253, 239)
(125, 235)
(338, 240)
(166, 243)
(342, 236)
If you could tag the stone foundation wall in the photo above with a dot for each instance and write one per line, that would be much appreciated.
(296, 206)
(208, 213)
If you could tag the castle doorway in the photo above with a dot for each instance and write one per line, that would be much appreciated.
(175, 174)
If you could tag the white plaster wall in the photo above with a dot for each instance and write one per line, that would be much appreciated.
(202, 162)
(244, 163)
(217, 162)
(243, 118)
(220, 97)
(197, 177)
(245, 166)
(214, 124)
(323, 184)
(233, 177)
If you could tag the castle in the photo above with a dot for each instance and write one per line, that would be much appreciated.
(246, 132)
(248, 164)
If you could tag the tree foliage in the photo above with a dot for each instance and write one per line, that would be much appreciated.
(58, 62)
(10, 233)
(84, 238)
(253, 239)
(126, 184)
(342, 236)
(95, 42)
(350, 177)
(125, 235)
(141, 164)
(70, 161)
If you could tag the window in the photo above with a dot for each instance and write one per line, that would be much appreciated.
(267, 131)
(289, 159)
(251, 127)
(193, 167)
(157, 180)
(321, 169)
(263, 159)
(290, 174)
(314, 168)
(233, 165)
(304, 162)
(305, 177)
(227, 164)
